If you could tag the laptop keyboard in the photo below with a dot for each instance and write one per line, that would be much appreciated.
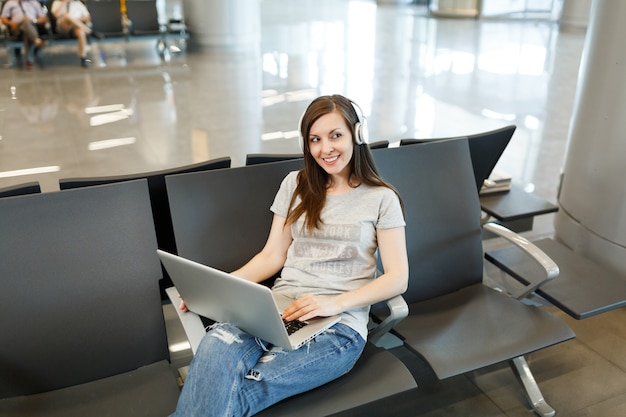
(293, 325)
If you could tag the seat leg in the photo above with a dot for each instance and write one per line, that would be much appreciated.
(524, 375)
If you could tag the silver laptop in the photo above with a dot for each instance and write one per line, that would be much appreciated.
(252, 307)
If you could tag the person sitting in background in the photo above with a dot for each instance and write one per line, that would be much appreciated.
(22, 18)
(73, 19)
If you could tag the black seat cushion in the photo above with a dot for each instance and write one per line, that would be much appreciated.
(377, 374)
(149, 391)
(477, 327)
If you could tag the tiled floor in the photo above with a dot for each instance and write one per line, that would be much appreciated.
(414, 76)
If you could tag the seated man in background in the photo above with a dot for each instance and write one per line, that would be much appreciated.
(73, 19)
(22, 18)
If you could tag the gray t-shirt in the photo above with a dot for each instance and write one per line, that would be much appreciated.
(340, 256)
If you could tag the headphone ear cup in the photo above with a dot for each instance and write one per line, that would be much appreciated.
(358, 133)
(361, 133)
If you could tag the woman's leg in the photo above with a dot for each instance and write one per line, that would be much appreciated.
(279, 374)
(217, 372)
(233, 375)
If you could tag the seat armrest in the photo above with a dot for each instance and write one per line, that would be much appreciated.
(550, 268)
(398, 310)
(192, 324)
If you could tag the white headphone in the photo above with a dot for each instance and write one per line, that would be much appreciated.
(361, 133)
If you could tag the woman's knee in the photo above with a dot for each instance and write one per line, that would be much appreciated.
(223, 336)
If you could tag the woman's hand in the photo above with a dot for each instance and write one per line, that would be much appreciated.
(311, 306)
(182, 306)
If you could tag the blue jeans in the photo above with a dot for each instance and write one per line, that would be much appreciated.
(233, 374)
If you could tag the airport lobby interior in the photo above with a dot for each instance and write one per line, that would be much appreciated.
(152, 103)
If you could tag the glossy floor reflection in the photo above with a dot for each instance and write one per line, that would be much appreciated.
(414, 76)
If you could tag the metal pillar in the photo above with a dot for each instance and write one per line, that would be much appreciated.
(592, 197)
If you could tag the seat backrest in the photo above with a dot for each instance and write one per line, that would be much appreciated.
(144, 15)
(158, 193)
(106, 17)
(222, 218)
(485, 149)
(158, 200)
(442, 214)
(21, 189)
(80, 296)
(264, 158)
(379, 145)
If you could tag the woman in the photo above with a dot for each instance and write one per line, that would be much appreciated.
(329, 220)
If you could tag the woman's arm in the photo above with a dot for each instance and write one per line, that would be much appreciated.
(392, 249)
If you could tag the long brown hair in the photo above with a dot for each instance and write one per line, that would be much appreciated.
(312, 179)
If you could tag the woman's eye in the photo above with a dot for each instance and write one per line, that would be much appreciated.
(315, 139)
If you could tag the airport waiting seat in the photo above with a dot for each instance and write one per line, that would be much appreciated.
(585, 288)
(485, 149)
(222, 219)
(455, 322)
(511, 206)
(144, 17)
(158, 199)
(21, 189)
(382, 144)
(264, 158)
(83, 326)
(106, 17)
(144, 20)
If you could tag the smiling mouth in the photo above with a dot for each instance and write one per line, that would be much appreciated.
(331, 159)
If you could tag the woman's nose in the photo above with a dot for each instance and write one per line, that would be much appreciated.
(328, 147)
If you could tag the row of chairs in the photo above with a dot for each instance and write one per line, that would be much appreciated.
(142, 19)
(107, 19)
(220, 217)
(158, 194)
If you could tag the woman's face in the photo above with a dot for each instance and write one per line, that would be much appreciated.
(330, 144)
